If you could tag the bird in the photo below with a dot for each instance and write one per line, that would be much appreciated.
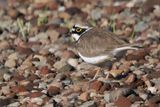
(96, 45)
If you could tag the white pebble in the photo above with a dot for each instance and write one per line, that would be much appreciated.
(73, 62)
(15, 104)
(153, 90)
(6, 77)
(37, 100)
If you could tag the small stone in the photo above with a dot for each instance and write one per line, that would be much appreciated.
(116, 73)
(6, 101)
(39, 60)
(48, 105)
(123, 102)
(115, 94)
(35, 94)
(131, 78)
(96, 14)
(53, 90)
(37, 100)
(153, 75)
(157, 11)
(153, 90)
(68, 54)
(53, 35)
(64, 15)
(4, 45)
(15, 104)
(136, 55)
(105, 87)
(12, 12)
(137, 83)
(52, 5)
(73, 10)
(44, 70)
(154, 99)
(96, 85)
(73, 62)
(5, 90)
(143, 96)
(22, 50)
(2, 72)
(84, 96)
(140, 26)
(7, 77)
(62, 66)
(13, 56)
(89, 104)
(10, 63)
(18, 89)
(138, 72)
(33, 77)
(62, 30)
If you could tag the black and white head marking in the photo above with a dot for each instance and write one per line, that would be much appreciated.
(78, 30)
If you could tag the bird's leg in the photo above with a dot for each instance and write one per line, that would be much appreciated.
(96, 74)
(107, 76)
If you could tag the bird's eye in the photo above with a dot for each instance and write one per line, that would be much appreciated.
(78, 29)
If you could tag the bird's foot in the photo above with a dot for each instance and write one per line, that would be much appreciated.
(96, 74)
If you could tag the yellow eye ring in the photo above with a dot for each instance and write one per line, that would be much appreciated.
(78, 30)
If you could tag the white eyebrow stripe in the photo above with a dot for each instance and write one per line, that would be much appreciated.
(85, 27)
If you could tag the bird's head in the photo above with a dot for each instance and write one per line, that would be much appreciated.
(78, 30)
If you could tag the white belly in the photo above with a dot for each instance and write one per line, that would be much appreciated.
(94, 60)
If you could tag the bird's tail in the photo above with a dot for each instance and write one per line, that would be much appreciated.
(124, 48)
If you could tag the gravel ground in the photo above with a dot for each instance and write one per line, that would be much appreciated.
(40, 68)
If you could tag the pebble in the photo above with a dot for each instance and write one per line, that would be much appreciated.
(116, 73)
(44, 70)
(64, 15)
(5, 101)
(73, 10)
(39, 60)
(153, 90)
(10, 63)
(89, 104)
(84, 96)
(4, 45)
(68, 54)
(53, 35)
(138, 72)
(136, 55)
(2, 72)
(96, 14)
(144, 96)
(15, 104)
(5, 90)
(62, 66)
(96, 85)
(53, 90)
(122, 102)
(48, 105)
(131, 78)
(35, 94)
(13, 56)
(7, 76)
(13, 12)
(73, 62)
(114, 95)
(154, 99)
(37, 100)
(140, 26)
